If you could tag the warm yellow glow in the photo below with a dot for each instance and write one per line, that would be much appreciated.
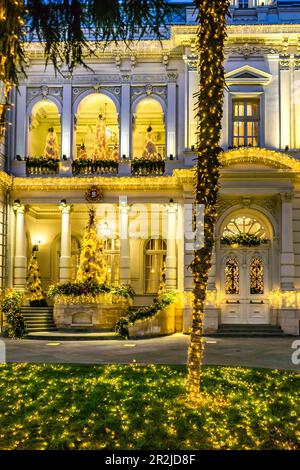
(88, 111)
(148, 112)
(44, 115)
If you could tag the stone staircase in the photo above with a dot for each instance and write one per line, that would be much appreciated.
(249, 331)
(38, 319)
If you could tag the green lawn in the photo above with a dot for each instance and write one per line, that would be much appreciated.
(143, 407)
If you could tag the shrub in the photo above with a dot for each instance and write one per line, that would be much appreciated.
(14, 323)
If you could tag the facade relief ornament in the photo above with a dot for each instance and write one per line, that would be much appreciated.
(270, 204)
(224, 204)
(247, 50)
(44, 92)
(172, 77)
(191, 61)
(93, 194)
(126, 77)
(284, 62)
(149, 78)
(148, 90)
(77, 91)
(297, 62)
(287, 197)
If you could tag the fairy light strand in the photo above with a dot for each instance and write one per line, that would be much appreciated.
(211, 39)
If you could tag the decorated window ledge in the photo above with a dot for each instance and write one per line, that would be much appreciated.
(141, 166)
(95, 167)
(41, 166)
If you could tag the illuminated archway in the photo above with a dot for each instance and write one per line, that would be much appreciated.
(147, 114)
(44, 115)
(88, 111)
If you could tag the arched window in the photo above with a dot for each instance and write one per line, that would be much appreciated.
(155, 256)
(88, 112)
(244, 225)
(112, 256)
(44, 116)
(148, 130)
(232, 276)
(257, 276)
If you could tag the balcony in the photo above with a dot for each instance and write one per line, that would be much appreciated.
(41, 166)
(92, 167)
(38, 167)
(140, 167)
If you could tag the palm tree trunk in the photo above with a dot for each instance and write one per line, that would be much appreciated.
(211, 39)
(11, 53)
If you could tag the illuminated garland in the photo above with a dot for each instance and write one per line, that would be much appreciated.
(211, 39)
(41, 165)
(11, 52)
(89, 166)
(140, 166)
(243, 239)
(159, 303)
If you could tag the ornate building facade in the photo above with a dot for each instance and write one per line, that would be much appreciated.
(136, 168)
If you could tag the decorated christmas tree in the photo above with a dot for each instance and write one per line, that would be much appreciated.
(100, 145)
(82, 152)
(92, 265)
(51, 147)
(34, 285)
(162, 283)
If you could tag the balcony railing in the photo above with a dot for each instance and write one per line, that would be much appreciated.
(147, 167)
(41, 166)
(95, 167)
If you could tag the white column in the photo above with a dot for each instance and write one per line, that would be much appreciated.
(125, 121)
(296, 103)
(171, 117)
(191, 88)
(224, 142)
(21, 122)
(67, 119)
(180, 248)
(287, 270)
(125, 277)
(65, 244)
(20, 258)
(171, 261)
(285, 103)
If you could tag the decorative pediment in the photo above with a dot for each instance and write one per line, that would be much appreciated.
(254, 156)
(247, 75)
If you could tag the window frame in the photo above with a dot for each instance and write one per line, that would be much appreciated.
(245, 119)
(150, 252)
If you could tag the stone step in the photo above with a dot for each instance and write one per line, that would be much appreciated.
(39, 324)
(248, 327)
(250, 331)
(51, 335)
(253, 334)
(38, 317)
(40, 330)
(27, 307)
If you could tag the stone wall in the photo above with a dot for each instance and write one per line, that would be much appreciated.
(162, 324)
(89, 316)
